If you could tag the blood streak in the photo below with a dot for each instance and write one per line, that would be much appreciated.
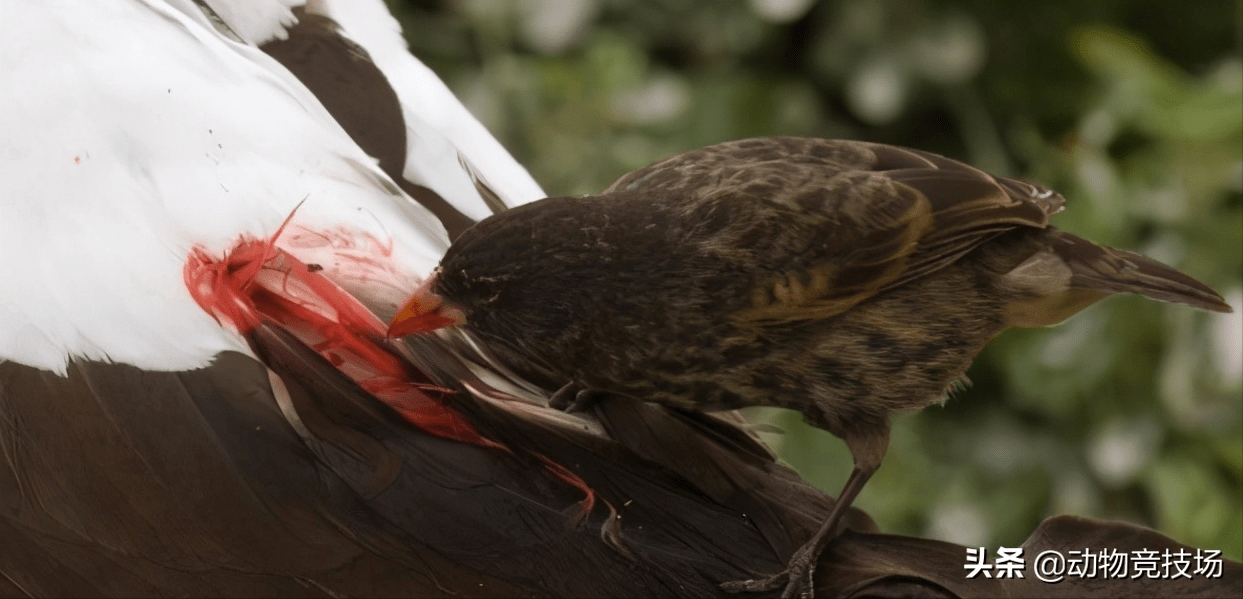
(256, 282)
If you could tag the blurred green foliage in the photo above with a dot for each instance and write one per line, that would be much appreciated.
(1132, 109)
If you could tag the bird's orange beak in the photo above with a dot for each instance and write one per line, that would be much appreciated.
(423, 312)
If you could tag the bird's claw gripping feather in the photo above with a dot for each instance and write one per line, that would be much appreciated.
(798, 578)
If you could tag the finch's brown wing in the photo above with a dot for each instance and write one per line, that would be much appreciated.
(831, 223)
(968, 205)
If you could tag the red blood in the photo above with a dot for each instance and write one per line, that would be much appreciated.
(257, 282)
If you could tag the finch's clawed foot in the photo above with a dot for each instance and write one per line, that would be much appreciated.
(798, 578)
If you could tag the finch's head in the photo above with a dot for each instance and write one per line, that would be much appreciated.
(525, 273)
(488, 262)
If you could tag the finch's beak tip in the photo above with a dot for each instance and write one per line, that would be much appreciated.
(424, 313)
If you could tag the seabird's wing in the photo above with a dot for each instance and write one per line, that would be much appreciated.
(195, 394)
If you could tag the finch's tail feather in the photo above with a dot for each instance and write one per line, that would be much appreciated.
(1055, 274)
(1095, 267)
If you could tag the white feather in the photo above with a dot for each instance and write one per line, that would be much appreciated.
(256, 21)
(439, 128)
(133, 133)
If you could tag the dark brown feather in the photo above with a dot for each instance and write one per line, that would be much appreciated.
(121, 482)
(357, 94)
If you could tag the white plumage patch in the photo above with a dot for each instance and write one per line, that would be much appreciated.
(256, 21)
(438, 126)
(134, 132)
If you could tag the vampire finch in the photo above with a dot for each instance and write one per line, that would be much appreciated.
(842, 279)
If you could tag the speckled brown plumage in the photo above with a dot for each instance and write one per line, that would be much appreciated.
(846, 280)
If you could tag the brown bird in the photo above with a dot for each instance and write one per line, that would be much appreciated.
(843, 279)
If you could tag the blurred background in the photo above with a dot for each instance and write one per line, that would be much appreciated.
(1133, 109)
